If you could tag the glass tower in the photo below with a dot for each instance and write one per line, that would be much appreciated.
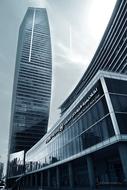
(32, 82)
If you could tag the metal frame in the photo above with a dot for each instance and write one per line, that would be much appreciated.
(110, 107)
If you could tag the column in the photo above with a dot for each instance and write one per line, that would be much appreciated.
(123, 157)
(71, 175)
(91, 172)
(41, 178)
(36, 179)
(57, 177)
(27, 180)
(48, 178)
(31, 180)
(23, 179)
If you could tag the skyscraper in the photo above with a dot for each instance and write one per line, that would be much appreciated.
(32, 81)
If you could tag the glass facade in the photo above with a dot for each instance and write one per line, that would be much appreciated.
(80, 173)
(16, 163)
(108, 169)
(118, 93)
(32, 82)
(88, 124)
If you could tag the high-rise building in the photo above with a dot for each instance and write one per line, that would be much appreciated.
(32, 81)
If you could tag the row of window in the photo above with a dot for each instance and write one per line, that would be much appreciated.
(94, 135)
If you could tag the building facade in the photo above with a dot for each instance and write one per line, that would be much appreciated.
(32, 82)
(32, 87)
(87, 147)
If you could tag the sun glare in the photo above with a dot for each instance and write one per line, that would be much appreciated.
(99, 15)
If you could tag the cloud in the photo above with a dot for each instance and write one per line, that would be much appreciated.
(69, 55)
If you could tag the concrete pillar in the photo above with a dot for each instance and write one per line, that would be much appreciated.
(49, 178)
(91, 172)
(71, 180)
(31, 180)
(23, 182)
(57, 177)
(123, 157)
(27, 180)
(36, 180)
(41, 178)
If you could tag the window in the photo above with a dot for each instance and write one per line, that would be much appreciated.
(116, 86)
(99, 132)
(122, 122)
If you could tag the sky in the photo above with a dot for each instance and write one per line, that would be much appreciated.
(76, 28)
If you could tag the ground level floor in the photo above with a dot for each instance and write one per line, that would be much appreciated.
(103, 169)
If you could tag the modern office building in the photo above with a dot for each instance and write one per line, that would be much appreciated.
(32, 82)
(87, 147)
(32, 87)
